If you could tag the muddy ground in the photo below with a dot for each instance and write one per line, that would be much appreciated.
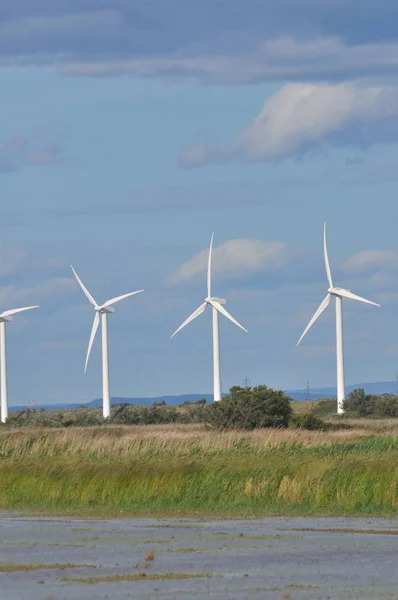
(271, 558)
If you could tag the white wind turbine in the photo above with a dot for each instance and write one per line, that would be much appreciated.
(216, 304)
(339, 294)
(4, 318)
(102, 310)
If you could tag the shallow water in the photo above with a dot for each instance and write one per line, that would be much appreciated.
(271, 558)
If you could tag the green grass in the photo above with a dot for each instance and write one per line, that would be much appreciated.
(193, 472)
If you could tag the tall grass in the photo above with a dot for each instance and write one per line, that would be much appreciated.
(187, 468)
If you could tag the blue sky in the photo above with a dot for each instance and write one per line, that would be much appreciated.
(129, 131)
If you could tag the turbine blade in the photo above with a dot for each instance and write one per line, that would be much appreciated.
(209, 267)
(325, 250)
(14, 311)
(195, 314)
(226, 314)
(85, 290)
(119, 298)
(324, 304)
(92, 336)
(351, 296)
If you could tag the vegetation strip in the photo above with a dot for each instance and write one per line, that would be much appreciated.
(190, 471)
(348, 530)
(136, 577)
(56, 566)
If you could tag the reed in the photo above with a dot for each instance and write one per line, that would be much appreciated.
(174, 468)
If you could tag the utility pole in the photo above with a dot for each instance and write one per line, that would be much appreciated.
(308, 391)
(246, 382)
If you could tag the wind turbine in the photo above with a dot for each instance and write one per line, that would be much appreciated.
(217, 308)
(4, 318)
(339, 294)
(103, 310)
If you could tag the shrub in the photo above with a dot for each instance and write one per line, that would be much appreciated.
(85, 418)
(308, 421)
(128, 414)
(359, 404)
(193, 413)
(248, 408)
(386, 406)
(326, 407)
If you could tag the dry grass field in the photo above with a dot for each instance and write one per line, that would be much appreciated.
(173, 468)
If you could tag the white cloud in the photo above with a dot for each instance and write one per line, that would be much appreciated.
(234, 259)
(302, 117)
(372, 259)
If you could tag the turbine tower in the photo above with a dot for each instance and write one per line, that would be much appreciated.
(103, 310)
(4, 318)
(339, 294)
(217, 308)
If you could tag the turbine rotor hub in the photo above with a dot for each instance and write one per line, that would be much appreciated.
(335, 290)
(219, 300)
(102, 310)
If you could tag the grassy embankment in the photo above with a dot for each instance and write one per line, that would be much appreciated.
(185, 469)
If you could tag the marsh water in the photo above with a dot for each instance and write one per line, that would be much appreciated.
(269, 558)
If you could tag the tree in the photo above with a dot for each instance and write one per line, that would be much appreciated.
(248, 408)
(359, 404)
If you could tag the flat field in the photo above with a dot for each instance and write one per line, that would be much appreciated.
(188, 470)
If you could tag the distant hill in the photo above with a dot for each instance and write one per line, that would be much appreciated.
(380, 387)
(170, 400)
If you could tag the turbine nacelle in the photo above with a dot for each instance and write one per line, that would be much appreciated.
(219, 300)
(336, 291)
(103, 309)
(7, 314)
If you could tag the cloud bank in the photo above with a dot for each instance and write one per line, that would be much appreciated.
(368, 260)
(300, 118)
(233, 260)
(229, 41)
(276, 59)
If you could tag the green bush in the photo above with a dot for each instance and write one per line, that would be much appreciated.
(308, 421)
(386, 406)
(128, 414)
(359, 404)
(36, 418)
(249, 408)
(326, 407)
